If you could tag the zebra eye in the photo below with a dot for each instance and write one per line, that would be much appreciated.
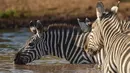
(31, 44)
(107, 14)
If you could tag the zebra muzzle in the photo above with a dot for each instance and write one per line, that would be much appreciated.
(19, 59)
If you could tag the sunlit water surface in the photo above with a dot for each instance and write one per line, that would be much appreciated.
(10, 42)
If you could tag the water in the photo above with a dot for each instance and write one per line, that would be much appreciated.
(10, 42)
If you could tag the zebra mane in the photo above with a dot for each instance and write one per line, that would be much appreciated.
(62, 26)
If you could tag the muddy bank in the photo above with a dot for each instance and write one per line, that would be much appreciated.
(50, 19)
(24, 22)
(46, 20)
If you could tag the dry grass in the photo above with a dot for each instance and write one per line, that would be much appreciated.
(54, 7)
(52, 11)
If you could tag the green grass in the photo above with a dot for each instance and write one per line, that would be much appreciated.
(9, 14)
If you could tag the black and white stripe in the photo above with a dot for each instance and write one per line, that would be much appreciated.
(125, 26)
(63, 41)
(107, 34)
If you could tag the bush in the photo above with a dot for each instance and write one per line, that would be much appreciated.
(9, 14)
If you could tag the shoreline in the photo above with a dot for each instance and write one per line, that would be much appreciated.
(6, 23)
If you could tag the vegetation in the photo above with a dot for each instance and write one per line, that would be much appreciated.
(51, 10)
(9, 14)
(59, 8)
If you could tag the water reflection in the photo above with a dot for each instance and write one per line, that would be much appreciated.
(48, 68)
(59, 68)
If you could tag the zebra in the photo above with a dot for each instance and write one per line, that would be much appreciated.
(107, 34)
(64, 41)
(38, 31)
(86, 27)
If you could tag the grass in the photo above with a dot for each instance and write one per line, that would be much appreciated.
(20, 12)
(9, 14)
(59, 8)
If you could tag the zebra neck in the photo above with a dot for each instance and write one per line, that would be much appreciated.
(57, 41)
(111, 25)
(109, 29)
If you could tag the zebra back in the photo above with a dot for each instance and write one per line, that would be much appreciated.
(70, 41)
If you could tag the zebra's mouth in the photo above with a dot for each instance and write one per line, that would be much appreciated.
(20, 60)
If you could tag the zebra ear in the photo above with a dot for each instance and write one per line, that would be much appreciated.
(99, 9)
(33, 27)
(36, 27)
(40, 27)
(85, 26)
(115, 8)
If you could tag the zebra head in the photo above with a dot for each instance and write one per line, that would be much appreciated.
(31, 50)
(95, 37)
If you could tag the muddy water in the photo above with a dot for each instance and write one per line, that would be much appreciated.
(10, 42)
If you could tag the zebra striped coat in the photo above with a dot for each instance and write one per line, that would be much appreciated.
(107, 34)
(62, 40)
(125, 26)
